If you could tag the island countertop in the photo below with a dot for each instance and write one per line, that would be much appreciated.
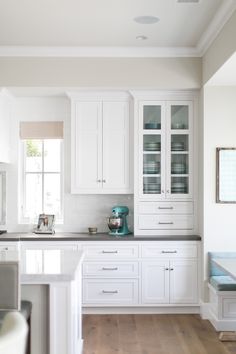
(49, 266)
(75, 236)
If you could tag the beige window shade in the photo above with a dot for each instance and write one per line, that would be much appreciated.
(41, 130)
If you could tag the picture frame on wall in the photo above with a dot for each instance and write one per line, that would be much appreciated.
(46, 223)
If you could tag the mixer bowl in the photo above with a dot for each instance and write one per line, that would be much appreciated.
(115, 223)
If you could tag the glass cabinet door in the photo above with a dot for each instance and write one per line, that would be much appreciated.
(152, 149)
(179, 139)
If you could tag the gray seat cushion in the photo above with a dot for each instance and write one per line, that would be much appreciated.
(26, 309)
(223, 282)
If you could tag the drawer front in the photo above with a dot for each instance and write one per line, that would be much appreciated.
(169, 251)
(165, 222)
(109, 269)
(110, 292)
(9, 252)
(166, 208)
(110, 251)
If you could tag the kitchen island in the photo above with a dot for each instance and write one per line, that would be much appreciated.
(60, 271)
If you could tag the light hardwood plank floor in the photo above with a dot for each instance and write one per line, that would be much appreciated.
(151, 334)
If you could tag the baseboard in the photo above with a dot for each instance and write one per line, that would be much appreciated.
(205, 310)
(141, 310)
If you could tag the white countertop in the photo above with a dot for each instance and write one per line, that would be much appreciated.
(227, 264)
(47, 266)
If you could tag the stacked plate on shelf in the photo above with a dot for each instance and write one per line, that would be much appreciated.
(178, 168)
(178, 187)
(151, 167)
(177, 146)
(151, 188)
(152, 146)
(152, 125)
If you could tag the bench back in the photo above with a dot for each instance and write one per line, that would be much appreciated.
(213, 269)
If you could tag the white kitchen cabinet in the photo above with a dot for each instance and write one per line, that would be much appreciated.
(164, 163)
(110, 273)
(100, 146)
(5, 120)
(171, 276)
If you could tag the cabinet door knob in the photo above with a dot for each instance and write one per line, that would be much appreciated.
(99, 180)
(104, 181)
(171, 268)
(166, 268)
(168, 191)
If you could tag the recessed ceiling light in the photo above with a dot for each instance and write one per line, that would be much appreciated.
(141, 38)
(146, 20)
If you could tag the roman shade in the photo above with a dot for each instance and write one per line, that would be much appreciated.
(41, 130)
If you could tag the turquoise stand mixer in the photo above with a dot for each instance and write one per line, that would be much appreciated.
(117, 223)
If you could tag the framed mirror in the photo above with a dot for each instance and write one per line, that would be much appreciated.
(226, 175)
(2, 198)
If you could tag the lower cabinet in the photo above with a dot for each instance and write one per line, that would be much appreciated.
(139, 273)
(169, 282)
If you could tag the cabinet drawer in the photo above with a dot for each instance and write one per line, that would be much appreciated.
(9, 252)
(169, 251)
(110, 292)
(165, 222)
(108, 269)
(166, 208)
(8, 247)
(110, 251)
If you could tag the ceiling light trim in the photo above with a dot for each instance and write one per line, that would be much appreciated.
(99, 52)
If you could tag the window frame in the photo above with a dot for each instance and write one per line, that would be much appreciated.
(23, 218)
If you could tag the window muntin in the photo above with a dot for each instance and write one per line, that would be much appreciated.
(42, 178)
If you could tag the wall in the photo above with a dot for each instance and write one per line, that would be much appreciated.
(219, 131)
(80, 211)
(220, 50)
(157, 73)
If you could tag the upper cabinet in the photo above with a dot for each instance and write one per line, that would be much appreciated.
(165, 163)
(165, 150)
(5, 118)
(100, 150)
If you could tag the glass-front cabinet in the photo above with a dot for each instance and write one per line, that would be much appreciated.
(166, 149)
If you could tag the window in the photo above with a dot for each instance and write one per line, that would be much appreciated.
(42, 178)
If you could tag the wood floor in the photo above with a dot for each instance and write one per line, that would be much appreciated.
(151, 334)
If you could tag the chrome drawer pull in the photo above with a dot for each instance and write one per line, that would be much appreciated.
(168, 251)
(110, 291)
(109, 251)
(165, 223)
(104, 268)
(165, 208)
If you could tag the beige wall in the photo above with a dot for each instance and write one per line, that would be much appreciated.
(158, 73)
(220, 50)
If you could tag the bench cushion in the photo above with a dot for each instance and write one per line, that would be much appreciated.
(223, 282)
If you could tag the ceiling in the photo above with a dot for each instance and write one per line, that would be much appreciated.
(31, 27)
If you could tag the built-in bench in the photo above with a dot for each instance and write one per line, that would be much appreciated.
(222, 294)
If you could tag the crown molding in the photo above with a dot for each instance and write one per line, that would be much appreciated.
(98, 52)
(215, 26)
